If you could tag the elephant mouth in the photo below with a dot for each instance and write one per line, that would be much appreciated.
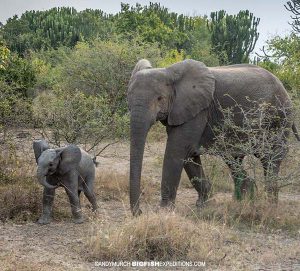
(50, 172)
(161, 116)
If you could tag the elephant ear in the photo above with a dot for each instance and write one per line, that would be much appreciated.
(194, 86)
(70, 157)
(38, 147)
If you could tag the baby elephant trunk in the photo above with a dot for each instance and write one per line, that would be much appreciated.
(42, 179)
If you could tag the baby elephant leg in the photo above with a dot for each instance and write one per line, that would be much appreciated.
(88, 190)
(48, 197)
(71, 187)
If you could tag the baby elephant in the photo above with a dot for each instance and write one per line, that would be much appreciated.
(70, 167)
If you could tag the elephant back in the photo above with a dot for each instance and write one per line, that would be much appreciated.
(248, 85)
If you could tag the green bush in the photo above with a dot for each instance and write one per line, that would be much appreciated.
(78, 118)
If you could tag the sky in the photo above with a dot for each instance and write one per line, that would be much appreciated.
(274, 17)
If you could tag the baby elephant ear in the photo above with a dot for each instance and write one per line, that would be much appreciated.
(69, 158)
(194, 86)
(38, 147)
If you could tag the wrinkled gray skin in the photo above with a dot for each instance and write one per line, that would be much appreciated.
(185, 97)
(70, 167)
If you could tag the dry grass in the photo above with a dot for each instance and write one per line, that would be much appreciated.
(111, 185)
(259, 215)
(218, 174)
(156, 236)
(20, 195)
(115, 186)
(20, 202)
(157, 133)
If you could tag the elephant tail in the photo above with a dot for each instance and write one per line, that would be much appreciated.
(295, 131)
(95, 161)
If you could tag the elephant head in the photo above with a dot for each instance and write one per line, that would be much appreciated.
(173, 95)
(50, 161)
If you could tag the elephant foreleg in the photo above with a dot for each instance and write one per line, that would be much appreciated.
(48, 197)
(198, 179)
(182, 143)
(172, 169)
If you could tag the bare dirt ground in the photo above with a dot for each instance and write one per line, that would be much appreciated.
(62, 245)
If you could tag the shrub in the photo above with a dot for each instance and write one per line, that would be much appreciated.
(104, 68)
(154, 236)
(20, 195)
(74, 117)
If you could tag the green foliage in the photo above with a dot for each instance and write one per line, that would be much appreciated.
(172, 57)
(155, 23)
(104, 68)
(55, 27)
(74, 117)
(87, 102)
(4, 53)
(233, 37)
(15, 110)
(285, 61)
(19, 74)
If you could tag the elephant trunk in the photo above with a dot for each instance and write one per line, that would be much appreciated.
(139, 126)
(42, 179)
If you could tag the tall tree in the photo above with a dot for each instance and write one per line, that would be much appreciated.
(294, 7)
(155, 23)
(55, 27)
(233, 36)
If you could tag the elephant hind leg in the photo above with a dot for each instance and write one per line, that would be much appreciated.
(242, 183)
(89, 193)
(198, 179)
(271, 162)
(271, 170)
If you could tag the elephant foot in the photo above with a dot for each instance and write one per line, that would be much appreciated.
(272, 193)
(95, 209)
(137, 212)
(78, 220)
(43, 220)
(200, 203)
(167, 205)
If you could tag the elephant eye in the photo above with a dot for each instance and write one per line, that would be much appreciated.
(159, 98)
(50, 164)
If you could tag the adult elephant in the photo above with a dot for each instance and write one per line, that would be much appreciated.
(186, 97)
